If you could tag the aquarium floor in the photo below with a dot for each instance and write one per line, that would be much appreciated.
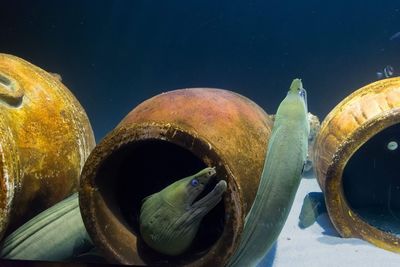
(320, 244)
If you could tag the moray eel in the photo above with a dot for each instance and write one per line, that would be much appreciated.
(56, 234)
(315, 125)
(169, 219)
(286, 155)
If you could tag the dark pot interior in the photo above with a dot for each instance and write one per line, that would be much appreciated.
(144, 167)
(371, 181)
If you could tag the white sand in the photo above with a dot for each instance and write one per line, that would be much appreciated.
(320, 245)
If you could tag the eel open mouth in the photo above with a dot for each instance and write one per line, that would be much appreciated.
(199, 185)
(212, 198)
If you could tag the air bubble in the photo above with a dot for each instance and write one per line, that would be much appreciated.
(392, 145)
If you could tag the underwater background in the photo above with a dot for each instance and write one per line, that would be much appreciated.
(115, 54)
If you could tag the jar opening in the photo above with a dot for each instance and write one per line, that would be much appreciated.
(371, 182)
(143, 167)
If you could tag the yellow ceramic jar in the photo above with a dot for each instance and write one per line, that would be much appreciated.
(45, 138)
(356, 163)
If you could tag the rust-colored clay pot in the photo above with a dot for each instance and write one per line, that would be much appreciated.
(45, 138)
(168, 137)
(348, 135)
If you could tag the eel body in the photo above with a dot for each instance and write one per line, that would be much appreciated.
(286, 155)
(56, 234)
(169, 219)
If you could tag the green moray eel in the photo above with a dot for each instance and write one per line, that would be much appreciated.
(315, 125)
(56, 234)
(286, 155)
(169, 219)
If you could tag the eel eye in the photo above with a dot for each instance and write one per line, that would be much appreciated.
(194, 182)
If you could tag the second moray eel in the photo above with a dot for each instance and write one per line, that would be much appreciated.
(286, 155)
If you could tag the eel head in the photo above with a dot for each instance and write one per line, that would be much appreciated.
(170, 219)
(185, 192)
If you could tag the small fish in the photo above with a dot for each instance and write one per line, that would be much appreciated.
(313, 206)
(395, 36)
(387, 72)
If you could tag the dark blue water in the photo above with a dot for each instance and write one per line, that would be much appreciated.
(114, 54)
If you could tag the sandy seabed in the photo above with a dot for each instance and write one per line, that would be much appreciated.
(320, 245)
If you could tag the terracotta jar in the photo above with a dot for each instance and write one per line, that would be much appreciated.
(45, 138)
(168, 137)
(356, 162)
